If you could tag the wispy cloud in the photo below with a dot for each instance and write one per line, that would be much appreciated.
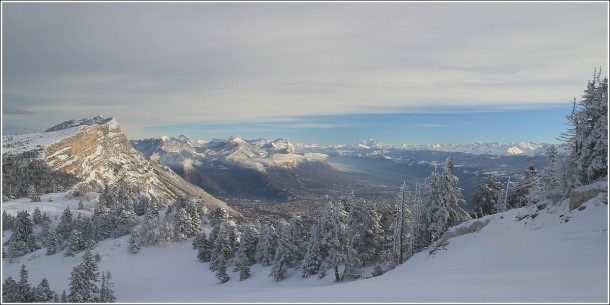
(256, 62)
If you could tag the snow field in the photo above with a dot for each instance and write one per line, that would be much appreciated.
(544, 259)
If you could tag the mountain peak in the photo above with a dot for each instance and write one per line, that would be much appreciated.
(236, 139)
(98, 120)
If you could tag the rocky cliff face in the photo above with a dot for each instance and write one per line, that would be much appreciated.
(98, 152)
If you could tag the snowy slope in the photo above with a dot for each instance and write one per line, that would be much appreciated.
(556, 256)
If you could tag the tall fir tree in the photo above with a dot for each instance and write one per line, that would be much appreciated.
(487, 196)
(265, 249)
(403, 226)
(106, 290)
(83, 279)
(589, 153)
(43, 292)
(22, 241)
(312, 260)
(333, 244)
(444, 200)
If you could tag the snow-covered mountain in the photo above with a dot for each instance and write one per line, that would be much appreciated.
(258, 154)
(97, 151)
(548, 253)
(374, 148)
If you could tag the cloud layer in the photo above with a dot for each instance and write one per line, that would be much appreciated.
(169, 63)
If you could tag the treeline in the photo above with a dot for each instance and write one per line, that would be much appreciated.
(353, 234)
(26, 175)
(83, 286)
(586, 144)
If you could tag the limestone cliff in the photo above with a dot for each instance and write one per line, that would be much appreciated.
(98, 152)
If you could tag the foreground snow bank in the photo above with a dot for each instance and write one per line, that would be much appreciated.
(543, 253)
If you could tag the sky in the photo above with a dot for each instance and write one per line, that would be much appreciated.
(325, 73)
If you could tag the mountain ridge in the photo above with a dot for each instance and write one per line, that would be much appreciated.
(97, 151)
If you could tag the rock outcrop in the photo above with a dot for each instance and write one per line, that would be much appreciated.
(100, 153)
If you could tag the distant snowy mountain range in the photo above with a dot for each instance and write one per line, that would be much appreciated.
(97, 151)
(258, 154)
(374, 148)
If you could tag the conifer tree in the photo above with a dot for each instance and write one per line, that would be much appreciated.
(37, 216)
(10, 291)
(24, 292)
(22, 241)
(76, 243)
(64, 228)
(333, 228)
(266, 246)
(134, 243)
(184, 228)
(313, 258)
(282, 255)
(551, 176)
(43, 293)
(83, 279)
(221, 252)
(52, 244)
(403, 226)
(487, 196)
(204, 248)
(444, 200)
(526, 188)
(106, 290)
(589, 152)
(246, 252)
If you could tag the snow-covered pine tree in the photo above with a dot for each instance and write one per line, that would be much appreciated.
(10, 293)
(265, 249)
(106, 290)
(76, 243)
(403, 226)
(205, 247)
(487, 196)
(134, 241)
(126, 219)
(78, 287)
(244, 272)
(333, 229)
(526, 188)
(590, 142)
(52, 243)
(222, 252)
(445, 198)
(551, 186)
(364, 237)
(43, 292)
(246, 252)
(83, 279)
(64, 228)
(24, 292)
(37, 216)
(313, 258)
(218, 215)
(420, 217)
(184, 227)
(33, 193)
(283, 252)
(8, 221)
(22, 241)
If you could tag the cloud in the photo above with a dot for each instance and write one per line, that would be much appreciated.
(171, 63)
